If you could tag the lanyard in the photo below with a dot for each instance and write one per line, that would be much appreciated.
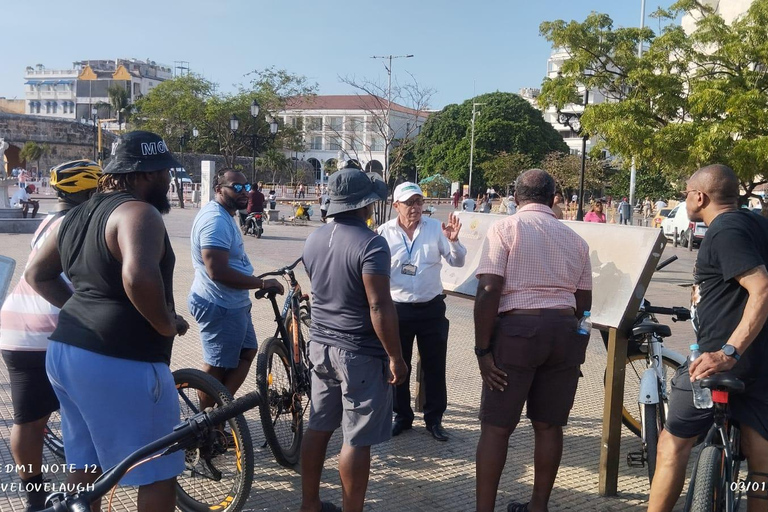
(409, 250)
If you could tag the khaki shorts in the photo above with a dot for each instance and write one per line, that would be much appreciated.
(541, 355)
(350, 391)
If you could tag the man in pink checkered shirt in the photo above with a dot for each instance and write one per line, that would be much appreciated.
(530, 296)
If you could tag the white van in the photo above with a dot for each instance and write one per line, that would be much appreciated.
(686, 230)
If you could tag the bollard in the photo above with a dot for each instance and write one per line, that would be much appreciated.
(674, 239)
(690, 242)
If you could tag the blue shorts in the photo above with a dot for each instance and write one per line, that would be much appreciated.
(111, 407)
(224, 333)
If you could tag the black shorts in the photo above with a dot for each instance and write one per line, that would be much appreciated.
(31, 393)
(684, 420)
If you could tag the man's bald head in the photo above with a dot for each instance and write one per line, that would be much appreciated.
(719, 182)
(535, 186)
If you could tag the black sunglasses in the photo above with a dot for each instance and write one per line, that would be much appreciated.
(239, 187)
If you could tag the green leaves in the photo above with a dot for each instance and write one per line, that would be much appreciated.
(690, 100)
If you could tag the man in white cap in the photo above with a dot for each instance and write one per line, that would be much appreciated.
(418, 245)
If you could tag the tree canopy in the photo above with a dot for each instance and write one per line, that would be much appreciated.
(176, 106)
(690, 100)
(506, 124)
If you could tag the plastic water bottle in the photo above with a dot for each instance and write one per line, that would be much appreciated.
(702, 397)
(585, 324)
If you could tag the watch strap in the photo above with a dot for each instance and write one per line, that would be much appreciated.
(480, 352)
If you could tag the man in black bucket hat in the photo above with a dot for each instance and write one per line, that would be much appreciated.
(355, 346)
(108, 357)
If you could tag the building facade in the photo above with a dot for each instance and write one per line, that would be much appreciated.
(336, 129)
(75, 93)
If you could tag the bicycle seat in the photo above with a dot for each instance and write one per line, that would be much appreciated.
(723, 380)
(651, 328)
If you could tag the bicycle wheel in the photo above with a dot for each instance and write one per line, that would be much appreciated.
(631, 414)
(219, 472)
(52, 435)
(282, 415)
(305, 321)
(708, 487)
(653, 423)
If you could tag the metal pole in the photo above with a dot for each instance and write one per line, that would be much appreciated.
(633, 169)
(93, 119)
(253, 156)
(389, 127)
(580, 211)
(471, 150)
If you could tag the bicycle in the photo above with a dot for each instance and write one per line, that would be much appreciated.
(219, 472)
(52, 435)
(648, 372)
(194, 433)
(714, 483)
(282, 370)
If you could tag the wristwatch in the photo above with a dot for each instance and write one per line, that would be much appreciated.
(730, 351)
(480, 352)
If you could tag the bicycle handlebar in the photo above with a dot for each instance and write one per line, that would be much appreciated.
(281, 271)
(184, 434)
(666, 262)
(679, 312)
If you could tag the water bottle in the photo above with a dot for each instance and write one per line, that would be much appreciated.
(702, 397)
(585, 324)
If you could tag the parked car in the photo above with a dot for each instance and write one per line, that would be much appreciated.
(660, 216)
(687, 231)
(183, 176)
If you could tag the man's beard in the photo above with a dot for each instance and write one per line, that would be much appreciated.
(232, 203)
(159, 199)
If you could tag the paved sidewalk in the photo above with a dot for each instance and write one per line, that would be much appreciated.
(412, 472)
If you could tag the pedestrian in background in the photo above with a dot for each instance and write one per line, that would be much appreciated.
(418, 245)
(529, 297)
(354, 350)
(556, 208)
(625, 211)
(218, 298)
(468, 204)
(596, 213)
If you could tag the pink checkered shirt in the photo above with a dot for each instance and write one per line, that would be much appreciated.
(543, 261)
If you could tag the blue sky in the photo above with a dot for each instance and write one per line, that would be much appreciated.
(460, 48)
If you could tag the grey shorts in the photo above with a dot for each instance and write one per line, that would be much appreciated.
(350, 391)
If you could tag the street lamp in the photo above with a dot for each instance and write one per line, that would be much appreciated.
(94, 117)
(472, 146)
(389, 106)
(234, 125)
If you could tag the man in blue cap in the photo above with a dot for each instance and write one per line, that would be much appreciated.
(355, 347)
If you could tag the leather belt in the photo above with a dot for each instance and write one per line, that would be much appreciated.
(539, 312)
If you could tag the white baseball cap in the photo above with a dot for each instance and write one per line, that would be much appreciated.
(405, 190)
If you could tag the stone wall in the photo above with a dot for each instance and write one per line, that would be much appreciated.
(67, 140)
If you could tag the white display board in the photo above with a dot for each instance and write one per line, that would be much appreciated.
(620, 257)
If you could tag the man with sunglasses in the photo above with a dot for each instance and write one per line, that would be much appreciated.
(418, 245)
(219, 298)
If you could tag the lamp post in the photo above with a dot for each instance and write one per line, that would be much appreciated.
(94, 118)
(234, 125)
(472, 146)
(633, 168)
(389, 107)
(573, 121)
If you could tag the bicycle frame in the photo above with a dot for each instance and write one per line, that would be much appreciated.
(730, 442)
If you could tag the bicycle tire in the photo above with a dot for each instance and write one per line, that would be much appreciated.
(218, 475)
(282, 416)
(653, 423)
(52, 435)
(707, 487)
(634, 368)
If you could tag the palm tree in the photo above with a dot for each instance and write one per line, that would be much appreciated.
(34, 151)
(275, 161)
(119, 101)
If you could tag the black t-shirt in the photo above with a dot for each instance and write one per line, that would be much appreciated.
(736, 242)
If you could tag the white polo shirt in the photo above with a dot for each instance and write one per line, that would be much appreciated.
(19, 196)
(426, 251)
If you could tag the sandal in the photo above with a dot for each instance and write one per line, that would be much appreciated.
(326, 506)
(517, 507)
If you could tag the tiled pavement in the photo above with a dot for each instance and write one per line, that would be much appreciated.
(412, 472)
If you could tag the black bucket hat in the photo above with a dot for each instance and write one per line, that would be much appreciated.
(140, 151)
(351, 189)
